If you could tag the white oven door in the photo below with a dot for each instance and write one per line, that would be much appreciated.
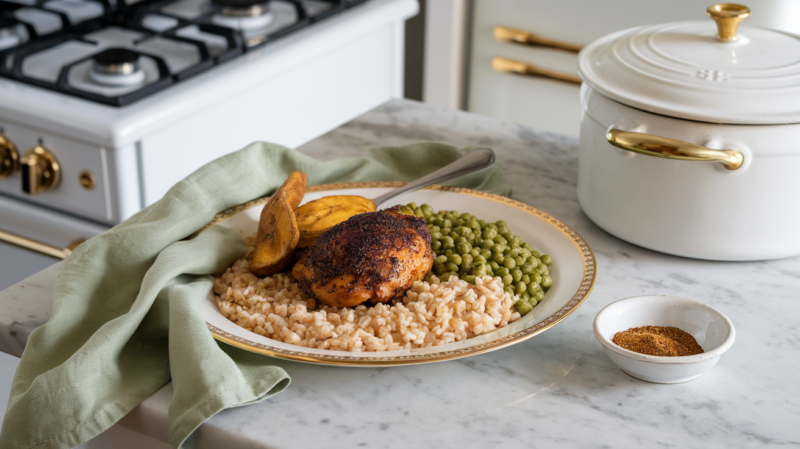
(33, 238)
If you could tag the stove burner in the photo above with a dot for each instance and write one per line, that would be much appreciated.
(116, 67)
(11, 34)
(243, 14)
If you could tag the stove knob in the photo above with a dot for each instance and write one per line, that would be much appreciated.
(9, 158)
(40, 170)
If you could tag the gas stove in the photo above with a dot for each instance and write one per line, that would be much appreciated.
(117, 53)
(104, 106)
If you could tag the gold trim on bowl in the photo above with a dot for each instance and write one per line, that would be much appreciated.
(585, 288)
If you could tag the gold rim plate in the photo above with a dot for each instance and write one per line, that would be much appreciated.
(582, 268)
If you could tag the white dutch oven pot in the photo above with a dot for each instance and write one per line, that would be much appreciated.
(690, 138)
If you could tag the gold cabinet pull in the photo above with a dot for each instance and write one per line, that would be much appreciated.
(665, 147)
(506, 34)
(501, 64)
(39, 247)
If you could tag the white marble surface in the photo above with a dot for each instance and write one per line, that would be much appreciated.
(556, 390)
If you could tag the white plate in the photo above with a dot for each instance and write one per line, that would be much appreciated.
(573, 272)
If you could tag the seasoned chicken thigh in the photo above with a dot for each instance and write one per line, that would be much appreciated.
(374, 256)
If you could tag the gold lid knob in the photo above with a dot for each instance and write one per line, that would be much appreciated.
(9, 159)
(728, 16)
(40, 170)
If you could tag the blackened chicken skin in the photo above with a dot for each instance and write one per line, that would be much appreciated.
(374, 256)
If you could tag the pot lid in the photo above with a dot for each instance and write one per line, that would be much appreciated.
(700, 70)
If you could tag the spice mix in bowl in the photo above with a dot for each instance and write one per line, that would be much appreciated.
(663, 339)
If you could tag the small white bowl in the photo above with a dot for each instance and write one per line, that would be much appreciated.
(712, 330)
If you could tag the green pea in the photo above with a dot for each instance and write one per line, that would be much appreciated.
(480, 259)
(460, 240)
(546, 260)
(473, 223)
(482, 223)
(441, 259)
(500, 240)
(437, 235)
(501, 271)
(456, 259)
(525, 296)
(499, 223)
(509, 263)
(436, 245)
(489, 234)
(479, 271)
(469, 278)
(526, 253)
(526, 279)
(467, 260)
(540, 269)
(514, 252)
(533, 262)
(539, 295)
(448, 242)
(547, 281)
(523, 306)
(516, 239)
(533, 288)
(507, 279)
(498, 249)
(536, 254)
(527, 246)
(519, 261)
(439, 268)
(498, 257)
(451, 267)
(494, 265)
(486, 253)
(447, 223)
(520, 288)
(475, 252)
(537, 278)
(509, 289)
(487, 244)
(533, 302)
(459, 222)
(517, 273)
(426, 208)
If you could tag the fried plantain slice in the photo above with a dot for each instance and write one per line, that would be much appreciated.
(316, 217)
(278, 234)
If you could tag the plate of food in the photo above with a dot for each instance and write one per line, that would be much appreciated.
(446, 273)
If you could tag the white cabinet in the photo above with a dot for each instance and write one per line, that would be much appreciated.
(554, 105)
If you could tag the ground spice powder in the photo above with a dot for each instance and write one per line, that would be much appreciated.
(657, 340)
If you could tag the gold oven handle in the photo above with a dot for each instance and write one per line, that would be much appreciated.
(665, 147)
(500, 64)
(506, 34)
(39, 247)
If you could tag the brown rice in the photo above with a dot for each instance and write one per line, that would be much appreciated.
(429, 314)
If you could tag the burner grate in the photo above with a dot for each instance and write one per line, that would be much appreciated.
(182, 22)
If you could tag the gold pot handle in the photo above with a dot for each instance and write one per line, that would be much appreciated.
(500, 64)
(506, 34)
(39, 247)
(665, 147)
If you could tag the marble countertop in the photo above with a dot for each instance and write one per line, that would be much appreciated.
(556, 390)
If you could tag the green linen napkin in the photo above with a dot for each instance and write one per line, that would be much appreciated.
(126, 314)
